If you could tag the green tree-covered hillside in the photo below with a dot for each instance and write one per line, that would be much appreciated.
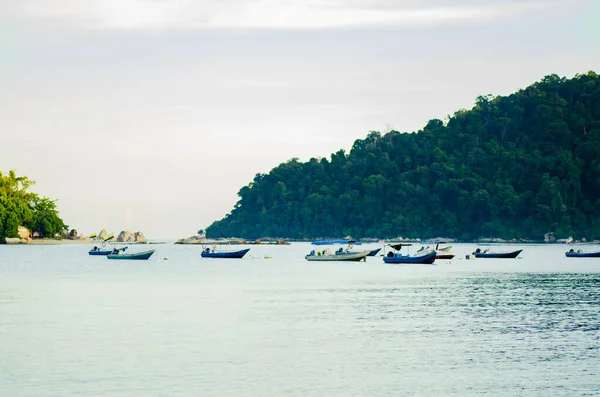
(512, 167)
(20, 207)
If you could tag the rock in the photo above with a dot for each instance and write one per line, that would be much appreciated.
(73, 234)
(102, 235)
(139, 237)
(125, 237)
(13, 240)
(549, 238)
(24, 232)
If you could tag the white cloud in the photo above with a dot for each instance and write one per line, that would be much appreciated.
(269, 14)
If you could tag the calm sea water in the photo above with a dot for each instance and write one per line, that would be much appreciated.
(75, 325)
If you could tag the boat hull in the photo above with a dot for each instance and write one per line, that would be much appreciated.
(99, 253)
(444, 256)
(137, 256)
(374, 252)
(582, 254)
(354, 257)
(427, 259)
(512, 254)
(226, 254)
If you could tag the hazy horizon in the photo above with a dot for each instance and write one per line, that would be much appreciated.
(150, 115)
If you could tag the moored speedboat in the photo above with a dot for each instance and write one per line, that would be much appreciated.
(120, 254)
(443, 253)
(487, 254)
(327, 255)
(579, 254)
(97, 251)
(424, 256)
(208, 253)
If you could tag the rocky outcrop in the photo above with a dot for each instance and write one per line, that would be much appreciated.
(103, 234)
(139, 237)
(13, 240)
(191, 240)
(549, 238)
(73, 234)
(125, 237)
(128, 237)
(24, 233)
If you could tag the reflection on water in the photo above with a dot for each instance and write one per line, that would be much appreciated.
(72, 325)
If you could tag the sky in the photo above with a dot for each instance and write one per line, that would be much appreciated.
(150, 115)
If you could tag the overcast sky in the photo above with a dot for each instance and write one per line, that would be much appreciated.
(150, 115)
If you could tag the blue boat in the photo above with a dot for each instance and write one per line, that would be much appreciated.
(208, 253)
(427, 257)
(374, 252)
(99, 251)
(120, 254)
(486, 254)
(578, 254)
(332, 242)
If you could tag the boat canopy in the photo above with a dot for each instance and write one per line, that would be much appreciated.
(398, 246)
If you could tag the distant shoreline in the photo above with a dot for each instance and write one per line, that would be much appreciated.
(51, 241)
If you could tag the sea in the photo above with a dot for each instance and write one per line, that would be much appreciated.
(274, 324)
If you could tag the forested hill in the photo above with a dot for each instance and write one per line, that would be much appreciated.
(511, 167)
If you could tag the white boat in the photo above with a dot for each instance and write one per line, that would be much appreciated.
(328, 255)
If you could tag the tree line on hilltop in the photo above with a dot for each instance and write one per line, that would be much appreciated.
(513, 167)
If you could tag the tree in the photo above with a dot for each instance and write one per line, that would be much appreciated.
(19, 206)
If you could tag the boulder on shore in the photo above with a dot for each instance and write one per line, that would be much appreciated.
(549, 238)
(139, 237)
(125, 236)
(73, 234)
(24, 233)
(128, 237)
(103, 234)
(13, 240)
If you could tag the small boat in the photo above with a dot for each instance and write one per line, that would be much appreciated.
(579, 254)
(120, 254)
(424, 256)
(98, 251)
(374, 252)
(208, 253)
(443, 253)
(342, 255)
(486, 254)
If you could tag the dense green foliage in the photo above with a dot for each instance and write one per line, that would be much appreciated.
(20, 207)
(511, 167)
